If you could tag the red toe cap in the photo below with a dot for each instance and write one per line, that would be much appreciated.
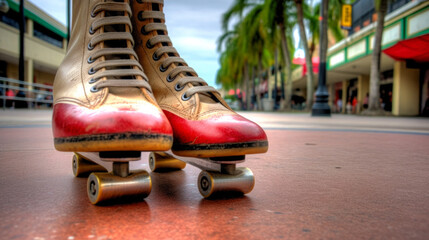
(216, 130)
(74, 120)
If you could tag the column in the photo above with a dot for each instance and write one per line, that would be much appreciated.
(363, 89)
(406, 87)
(29, 73)
(28, 77)
(30, 27)
(65, 43)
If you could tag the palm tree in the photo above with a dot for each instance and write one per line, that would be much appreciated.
(277, 14)
(232, 64)
(236, 9)
(312, 14)
(244, 47)
(334, 18)
(253, 36)
(229, 72)
(374, 82)
(303, 35)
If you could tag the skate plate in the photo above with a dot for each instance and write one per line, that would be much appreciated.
(110, 176)
(218, 175)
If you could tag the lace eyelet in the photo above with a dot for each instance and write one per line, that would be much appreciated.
(148, 45)
(169, 78)
(162, 69)
(91, 31)
(93, 15)
(94, 89)
(178, 88)
(185, 98)
(90, 60)
(140, 1)
(155, 57)
(90, 47)
(143, 31)
(139, 16)
(92, 80)
(91, 71)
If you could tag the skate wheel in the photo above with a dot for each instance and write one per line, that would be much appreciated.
(159, 161)
(241, 181)
(82, 167)
(106, 186)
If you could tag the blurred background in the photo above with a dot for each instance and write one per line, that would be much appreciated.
(363, 57)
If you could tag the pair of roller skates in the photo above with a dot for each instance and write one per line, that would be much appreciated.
(123, 89)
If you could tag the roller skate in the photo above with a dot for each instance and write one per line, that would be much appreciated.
(104, 108)
(207, 132)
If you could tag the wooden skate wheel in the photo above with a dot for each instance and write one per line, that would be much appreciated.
(160, 161)
(242, 181)
(83, 167)
(106, 186)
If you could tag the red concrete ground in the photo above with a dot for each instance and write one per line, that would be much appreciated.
(316, 183)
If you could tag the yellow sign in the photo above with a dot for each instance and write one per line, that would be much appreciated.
(346, 16)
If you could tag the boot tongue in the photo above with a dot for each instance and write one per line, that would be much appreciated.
(206, 98)
(208, 103)
(209, 107)
(119, 91)
(124, 98)
(125, 92)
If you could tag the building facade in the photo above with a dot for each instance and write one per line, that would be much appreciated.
(44, 45)
(404, 62)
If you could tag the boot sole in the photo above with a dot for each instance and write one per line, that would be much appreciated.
(114, 142)
(220, 150)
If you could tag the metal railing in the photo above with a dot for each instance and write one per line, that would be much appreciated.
(28, 95)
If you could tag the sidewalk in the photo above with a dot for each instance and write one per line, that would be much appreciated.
(344, 177)
(340, 122)
(271, 121)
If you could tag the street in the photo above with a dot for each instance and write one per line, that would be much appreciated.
(344, 177)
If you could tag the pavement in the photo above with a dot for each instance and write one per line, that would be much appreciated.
(342, 177)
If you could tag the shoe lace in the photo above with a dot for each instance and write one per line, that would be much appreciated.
(119, 65)
(181, 72)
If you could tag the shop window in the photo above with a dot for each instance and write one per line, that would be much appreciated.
(364, 12)
(11, 18)
(387, 76)
(47, 35)
(386, 90)
(3, 68)
(395, 4)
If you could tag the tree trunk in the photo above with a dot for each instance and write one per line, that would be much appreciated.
(374, 82)
(312, 48)
(308, 61)
(246, 87)
(276, 71)
(258, 95)
(253, 99)
(288, 65)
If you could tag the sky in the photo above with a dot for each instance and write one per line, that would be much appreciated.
(193, 25)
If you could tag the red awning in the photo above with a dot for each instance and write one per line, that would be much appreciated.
(416, 49)
(301, 61)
